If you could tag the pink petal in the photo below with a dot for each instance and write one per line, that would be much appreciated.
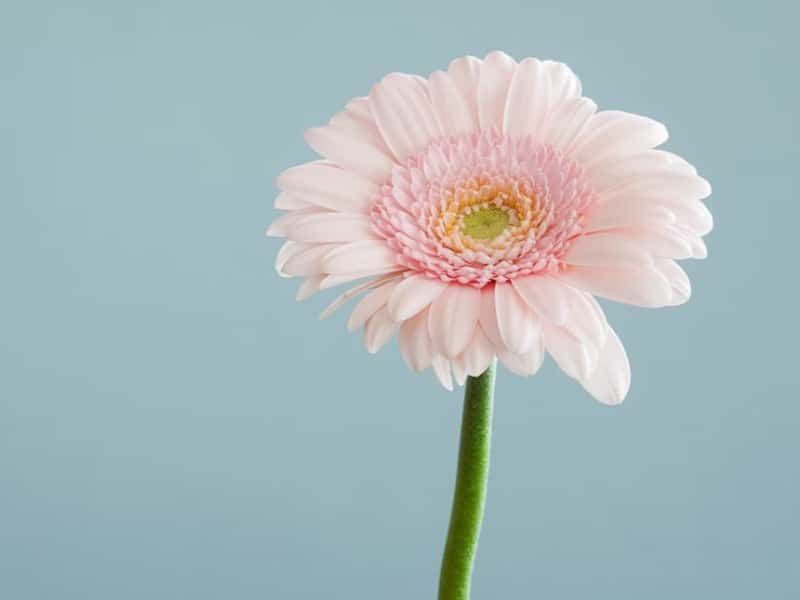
(370, 304)
(287, 251)
(459, 370)
(360, 256)
(357, 121)
(324, 184)
(350, 153)
(441, 368)
(545, 295)
(331, 228)
(415, 342)
(662, 241)
(564, 84)
(664, 185)
(678, 281)
(587, 322)
(519, 329)
(378, 330)
(526, 364)
(611, 379)
(678, 163)
(699, 249)
(495, 77)
(575, 357)
(488, 318)
(309, 287)
(465, 73)
(449, 104)
(286, 201)
(333, 280)
(613, 134)
(412, 295)
(527, 101)
(609, 248)
(478, 354)
(613, 174)
(629, 284)
(281, 226)
(404, 115)
(453, 317)
(627, 213)
(568, 122)
(694, 215)
(309, 261)
(352, 292)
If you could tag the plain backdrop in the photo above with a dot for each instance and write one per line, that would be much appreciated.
(174, 426)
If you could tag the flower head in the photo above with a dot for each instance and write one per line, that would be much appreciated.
(486, 207)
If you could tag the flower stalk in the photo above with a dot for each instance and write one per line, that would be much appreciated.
(470, 491)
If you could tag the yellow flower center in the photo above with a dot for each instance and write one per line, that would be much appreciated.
(485, 223)
(489, 216)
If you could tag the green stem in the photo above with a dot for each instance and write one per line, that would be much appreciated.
(470, 493)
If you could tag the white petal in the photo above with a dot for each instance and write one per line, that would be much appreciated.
(324, 184)
(441, 368)
(611, 379)
(453, 317)
(404, 115)
(350, 153)
(519, 329)
(545, 295)
(412, 295)
(630, 284)
(528, 98)
(415, 342)
(360, 256)
(331, 227)
(606, 249)
(378, 330)
(450, 105)
(370, 304)
(495, 77)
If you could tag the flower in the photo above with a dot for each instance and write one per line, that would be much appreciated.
(486, 207)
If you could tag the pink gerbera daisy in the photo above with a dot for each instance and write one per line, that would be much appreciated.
(487, 206)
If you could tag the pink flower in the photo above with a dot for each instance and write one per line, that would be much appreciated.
(486, 206)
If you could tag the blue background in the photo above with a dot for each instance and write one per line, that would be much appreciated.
(173, 425)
